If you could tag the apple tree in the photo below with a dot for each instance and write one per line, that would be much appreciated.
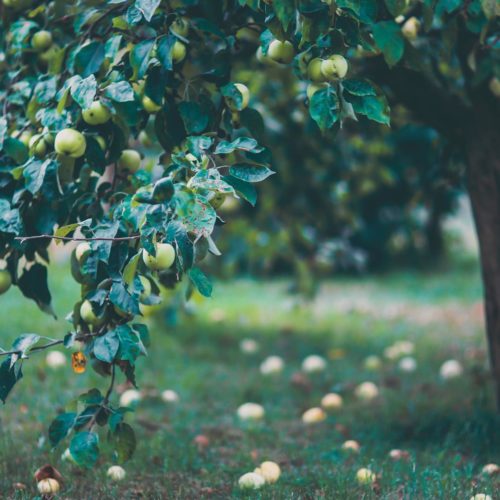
(86, 87)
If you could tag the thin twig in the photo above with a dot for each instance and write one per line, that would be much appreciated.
(36, 348)
(22, 239)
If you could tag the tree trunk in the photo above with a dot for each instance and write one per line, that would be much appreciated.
(483, 176)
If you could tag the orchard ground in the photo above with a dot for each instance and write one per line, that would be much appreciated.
(450, 428)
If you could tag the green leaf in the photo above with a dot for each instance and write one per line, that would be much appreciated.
(84, 91)
(131, 346)
(120, 92)
(200, 281)
(121, 298)
(60, 427)
(33, 284)
(147, 7)
(15, 149)
(84, 448)
(34, 173)
(124, 442)
(396, 7)
(164, 51)
(177, 233)
(285, 11)
(10, 373)
(250, 173)
(243, 189)
(241, 143)
(106, 346)
(389, 40)
(65, 230)
(359, 87)
(231, 92)
(24, 342)
(194, 117)
(374, 108)
(447, 6)
(323, 108)
(88, 58)
(131, 269)
(139, 57)
(3, 130)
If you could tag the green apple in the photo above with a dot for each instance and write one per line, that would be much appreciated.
(494, 86)
(149, 105)
(334, 67)
(5, 280)
(48, 136)
(129, 160)
(217, 200)
(24, 137)
(41, 40)
(165, 257)
(46, 56)
(146, 285)
(37, 146)
(96, 114)
(120, 312)
(144, 139)
(312, 88)
(245, 94)
(180, 27)
(81, 251)
(314, 70)
(410, 29)
(88, 315)
(178, 52)
(282, 52)
(102, 143)
(70, 142)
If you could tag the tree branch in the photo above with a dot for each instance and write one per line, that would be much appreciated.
(22, 239)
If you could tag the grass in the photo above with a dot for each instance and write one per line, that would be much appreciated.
(449, 428)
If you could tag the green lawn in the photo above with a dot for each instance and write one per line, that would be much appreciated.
(449, 428)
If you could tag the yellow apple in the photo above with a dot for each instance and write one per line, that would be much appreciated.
(81, 250)
(41, 40)
(129, 160)
(149, 105)
(48, 486)
(5, 280)
(146, 285)
(282, 52)
(334, 67)
(70, 142)
(314, 70)
(178, 52)
(245, 94)
(312, 88)
(37, 146)
(165, 257)
(96, 114)
(88, 315)
(180, 26)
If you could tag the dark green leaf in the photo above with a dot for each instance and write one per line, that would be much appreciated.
(84, 448)
(389, 40)
(88, 58)
(120, 91)
(324, 108)
(124, 442)
(9, 375)
(106, 346)
(60, 427)
(250, 173)
(200, 281)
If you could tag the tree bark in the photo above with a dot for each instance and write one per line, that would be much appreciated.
(483, 177)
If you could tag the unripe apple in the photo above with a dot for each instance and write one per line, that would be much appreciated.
(282, 52)
(116, 473)
(365, 476)
(102, 143)
(270, 471)
(314, 70)
(178, 52)
(5, 280)
(70, 142)
(81, 250)
(245, 94)
(494, 86)
(217, 200)
(88, 315)
(334, 67)
(165, 257)
(46, 56)
(312, 88)
(37, 146)
(24, 137)
(411, 28)
(41, 40)
(48, 486)
(251, 481)
(144, 139)
(96, 114)
(146, 285)
(180, 26)
(129, 160)
(149, 105)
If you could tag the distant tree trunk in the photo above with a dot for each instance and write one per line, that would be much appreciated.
(434, 234)
(483, 176)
